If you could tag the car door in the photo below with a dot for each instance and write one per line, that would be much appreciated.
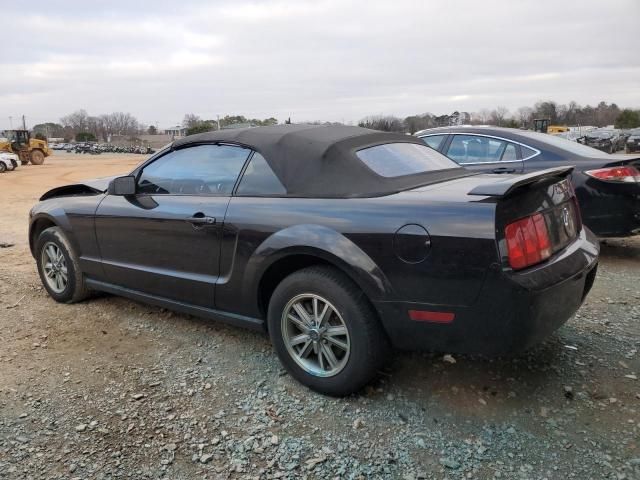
(165, 240)
(485, 153)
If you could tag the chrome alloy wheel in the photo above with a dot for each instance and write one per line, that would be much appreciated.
(54, 267)
(315, 335)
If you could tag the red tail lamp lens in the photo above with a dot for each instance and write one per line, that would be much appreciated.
(616, 174)
(527, 241)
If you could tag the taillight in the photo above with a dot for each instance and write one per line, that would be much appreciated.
(616, 174)
(527, 241)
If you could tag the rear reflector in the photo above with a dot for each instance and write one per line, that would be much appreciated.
(434, 317)
(527, 241)
(616, 174)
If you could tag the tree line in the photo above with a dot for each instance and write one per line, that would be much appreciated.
(81, 126)
(194, 124)
(572, 113)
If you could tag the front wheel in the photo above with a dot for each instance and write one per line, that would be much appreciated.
(325, 331)
(59, 267)
(3, 168)
(37, 157)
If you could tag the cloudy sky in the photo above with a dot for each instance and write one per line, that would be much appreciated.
(336, 60)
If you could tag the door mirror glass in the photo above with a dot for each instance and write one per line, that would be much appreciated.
(122, 186)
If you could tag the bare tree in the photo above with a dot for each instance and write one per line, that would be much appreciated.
(385, 123)
(191, 120)
(498, 115)
(523, 116)
(480, 117)
(414, 123)
(77, 120)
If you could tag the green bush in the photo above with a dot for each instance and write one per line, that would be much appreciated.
(85, 137)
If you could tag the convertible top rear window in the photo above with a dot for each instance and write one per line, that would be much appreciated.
(399, 159)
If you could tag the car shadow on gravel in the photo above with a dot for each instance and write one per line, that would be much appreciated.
(474, 384)
(620, 249)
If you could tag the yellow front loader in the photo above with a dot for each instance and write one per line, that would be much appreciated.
(28, 149)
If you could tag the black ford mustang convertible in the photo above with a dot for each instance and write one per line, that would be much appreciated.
(341, 242)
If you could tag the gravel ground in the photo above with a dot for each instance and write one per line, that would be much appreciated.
(110, 388)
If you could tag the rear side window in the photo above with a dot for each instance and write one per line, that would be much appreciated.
(398, 159)
(466, 149)
(259, 179)
(433, 141)
(527, 152)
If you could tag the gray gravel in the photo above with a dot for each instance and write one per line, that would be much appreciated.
(114, 389)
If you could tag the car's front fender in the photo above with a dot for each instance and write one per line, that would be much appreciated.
(40, 220)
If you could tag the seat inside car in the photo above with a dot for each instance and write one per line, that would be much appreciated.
(476, 150)
(457, 150)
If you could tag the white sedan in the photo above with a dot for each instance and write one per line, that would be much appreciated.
(8, 161)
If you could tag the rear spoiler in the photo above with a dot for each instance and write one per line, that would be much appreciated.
(502, 188)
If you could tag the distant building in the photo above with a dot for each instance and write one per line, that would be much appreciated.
(176, 132)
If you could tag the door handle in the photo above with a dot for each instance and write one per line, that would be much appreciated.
(200, 220)
(504, 170)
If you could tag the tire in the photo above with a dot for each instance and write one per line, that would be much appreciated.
(3, 167)
(348, 310)
(74, 289)
(37, 157)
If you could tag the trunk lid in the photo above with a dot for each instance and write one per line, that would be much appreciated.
(547, 193)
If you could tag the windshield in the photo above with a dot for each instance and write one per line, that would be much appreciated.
(9, 135)
(399, 159)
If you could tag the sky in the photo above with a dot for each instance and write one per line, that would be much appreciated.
(330, 60)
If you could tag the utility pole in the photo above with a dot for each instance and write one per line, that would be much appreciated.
(218, 122)
(24, 123)
(10, 122)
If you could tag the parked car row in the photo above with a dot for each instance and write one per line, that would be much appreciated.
(633, 141)
(607, 186)
(606, 140)
(97, 148)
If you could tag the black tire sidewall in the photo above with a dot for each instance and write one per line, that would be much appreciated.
(359, 369)
(52, 235)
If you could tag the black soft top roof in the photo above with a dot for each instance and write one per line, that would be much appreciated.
(320, 160)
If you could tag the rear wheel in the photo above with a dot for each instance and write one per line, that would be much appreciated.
(37, 157)
(59, 267)
(325, 331)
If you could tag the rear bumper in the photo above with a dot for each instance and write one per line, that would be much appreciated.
(514, 310)
(601, 147)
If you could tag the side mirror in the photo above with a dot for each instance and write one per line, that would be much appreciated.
(122, 186)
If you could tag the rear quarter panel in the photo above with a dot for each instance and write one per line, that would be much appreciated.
(359, 233)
